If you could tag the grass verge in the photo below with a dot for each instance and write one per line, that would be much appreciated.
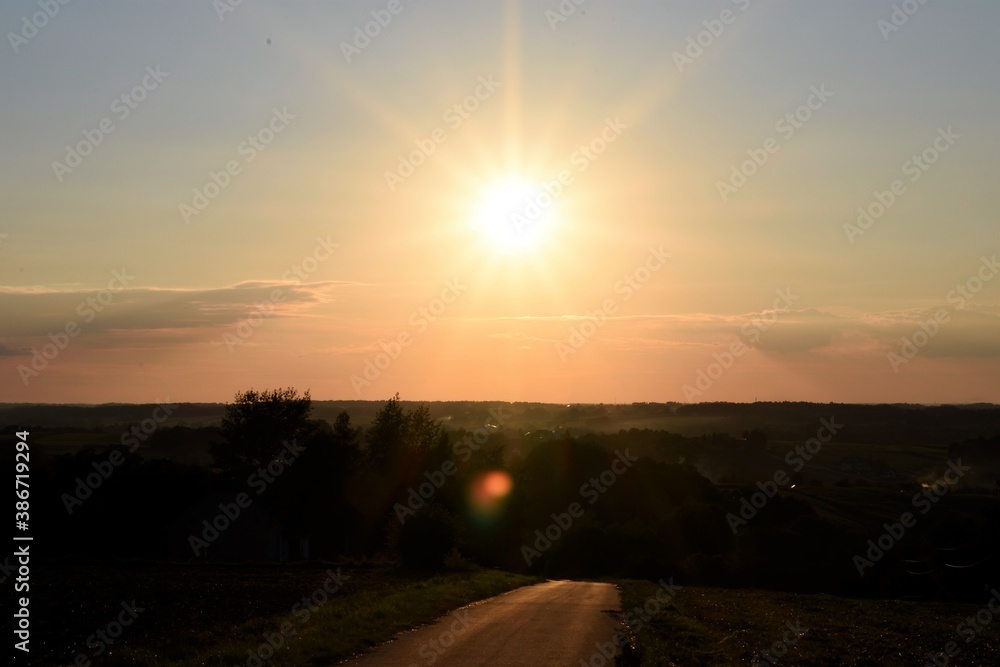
(199, 617)
(708, 627)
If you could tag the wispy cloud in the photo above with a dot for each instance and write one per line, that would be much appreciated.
(36, 312)
(968, 333)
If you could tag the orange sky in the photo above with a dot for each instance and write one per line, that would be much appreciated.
(497, 202)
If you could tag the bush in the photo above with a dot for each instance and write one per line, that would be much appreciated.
(426, 538)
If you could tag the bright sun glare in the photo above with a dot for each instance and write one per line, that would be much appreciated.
(514, 214)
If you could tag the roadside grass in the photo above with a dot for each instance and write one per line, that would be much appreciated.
(372, 606)
(709, 627)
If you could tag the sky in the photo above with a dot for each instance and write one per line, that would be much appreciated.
(728, 200)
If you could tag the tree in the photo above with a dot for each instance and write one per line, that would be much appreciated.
(343, 431)
(422, 432)
(337, 451)
(387, 435)
(425, 539)
(257, 424)
(396, 433)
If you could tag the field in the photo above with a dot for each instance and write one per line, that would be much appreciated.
(711, 627)
(222, 615)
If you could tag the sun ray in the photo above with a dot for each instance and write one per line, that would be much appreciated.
(512, 73)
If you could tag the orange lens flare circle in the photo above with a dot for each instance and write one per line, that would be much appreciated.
(488, 490)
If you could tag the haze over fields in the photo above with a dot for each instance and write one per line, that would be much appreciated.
(641, 201)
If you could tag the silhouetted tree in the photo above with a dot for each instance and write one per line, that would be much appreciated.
(422, 432)
(333, 451)
(343, 431)
(387, 434)
(397, 434)
(425, 539)
(258, 423)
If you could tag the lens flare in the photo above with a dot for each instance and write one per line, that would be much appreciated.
(488, 490)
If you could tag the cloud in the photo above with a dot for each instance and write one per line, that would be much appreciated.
(521, 337)
(798, 331)
(967, 333)
(32, 312)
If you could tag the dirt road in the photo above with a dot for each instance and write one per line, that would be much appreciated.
(557, 623)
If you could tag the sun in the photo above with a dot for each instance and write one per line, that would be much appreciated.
(515, 214)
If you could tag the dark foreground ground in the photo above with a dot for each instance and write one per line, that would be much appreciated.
(233, 615)
(711, 626)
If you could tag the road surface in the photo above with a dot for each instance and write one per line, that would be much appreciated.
(557, 623)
